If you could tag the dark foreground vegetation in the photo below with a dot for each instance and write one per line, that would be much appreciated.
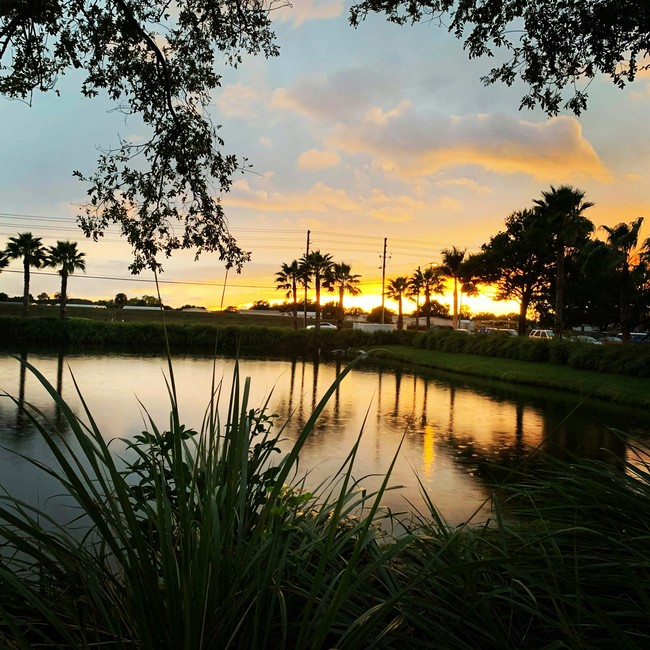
(203, 540)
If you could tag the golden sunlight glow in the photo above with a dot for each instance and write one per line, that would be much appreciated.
(428, 449)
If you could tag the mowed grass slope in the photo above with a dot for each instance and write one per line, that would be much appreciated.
(616, 388)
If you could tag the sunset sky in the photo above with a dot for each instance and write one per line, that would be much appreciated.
(355, 135)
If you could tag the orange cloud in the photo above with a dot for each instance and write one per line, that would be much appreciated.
(314, 160)
(322, 199)
(412, 145)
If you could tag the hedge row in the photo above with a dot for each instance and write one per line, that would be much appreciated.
(633, 360)
(16, 331)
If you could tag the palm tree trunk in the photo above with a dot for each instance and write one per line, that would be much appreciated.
(317, 283)
(454, 322)
(400, 319)
(559, 295)
(427, 302)
(63, 298)
(339, 323)
(294, 288)
(417, 312)
(625, 311)
(26, 287)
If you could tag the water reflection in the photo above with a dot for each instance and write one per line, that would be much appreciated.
(454, 433)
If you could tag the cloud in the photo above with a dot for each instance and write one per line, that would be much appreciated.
(336, 203)
(238, 100)
(412, 144)
(341, 97)
(299, 12)
(314, 160)
(464, 183)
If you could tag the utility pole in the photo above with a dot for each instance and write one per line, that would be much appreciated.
(306, 279)
(383, 280)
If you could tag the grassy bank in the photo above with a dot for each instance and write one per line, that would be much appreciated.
(620, 389)
(203, 542)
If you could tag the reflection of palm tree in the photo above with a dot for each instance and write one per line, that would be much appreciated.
(397, 289)
(287, 279)
(32, 252)
(344, 281)
(61, 422)
(560, 211)
(318, 266)
(66, 256)
(398, 386)
(622, 241)
(452, 260)
(314, 395)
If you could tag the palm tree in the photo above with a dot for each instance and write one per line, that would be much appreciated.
(452, 260)
(318, 266)
(396, 290)
(344, 281)
(560, 209)
(66, 256)
(622, 242)
(32, 252)
(287, 279)
(432, 282)
(416, 283)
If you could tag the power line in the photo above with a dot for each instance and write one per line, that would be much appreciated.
(144, 280)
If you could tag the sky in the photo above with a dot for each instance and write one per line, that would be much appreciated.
(357, 136)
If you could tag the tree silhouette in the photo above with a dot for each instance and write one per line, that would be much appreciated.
(517, 261)
(344, 281)
(287, 279)
(416, 282)
(560, 211)
(452, 260)
(66, 256)
(120, 300)
(628, 262)
(397, 289)
(318, 266)
(33, 254)
(432, 282)
(159, 65)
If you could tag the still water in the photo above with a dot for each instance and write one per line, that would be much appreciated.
(449, 429)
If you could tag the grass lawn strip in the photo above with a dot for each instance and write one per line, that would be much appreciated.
(615, 388)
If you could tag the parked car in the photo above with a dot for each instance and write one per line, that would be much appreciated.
(583, 338)
(504, 331)
(636, 337)
(610, 340)
(323, 326)
(541, 334)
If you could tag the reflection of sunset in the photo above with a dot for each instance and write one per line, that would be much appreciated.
(428, 449)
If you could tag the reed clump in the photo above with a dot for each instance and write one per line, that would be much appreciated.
(209, 539)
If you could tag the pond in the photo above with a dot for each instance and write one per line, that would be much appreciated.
(450, 430)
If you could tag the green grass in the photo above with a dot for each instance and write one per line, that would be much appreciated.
(203, 540)
(615, 388)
